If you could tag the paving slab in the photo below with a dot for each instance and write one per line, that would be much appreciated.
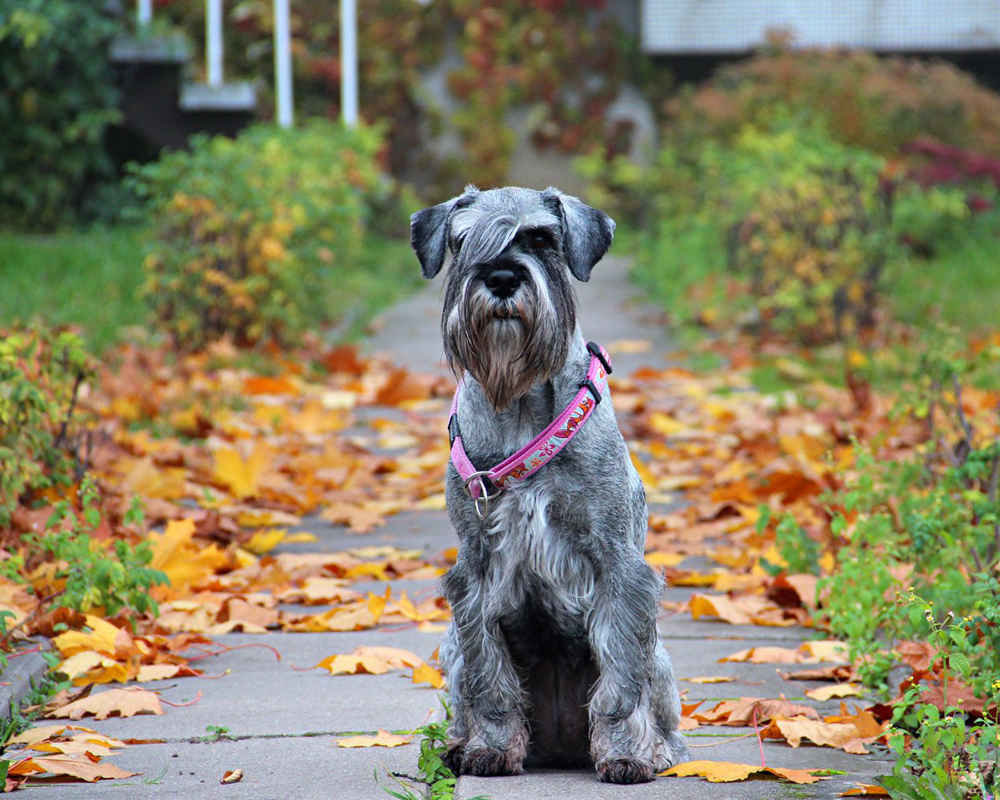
(428, 531)
(583, 784)
(257, 695)
(299, 767)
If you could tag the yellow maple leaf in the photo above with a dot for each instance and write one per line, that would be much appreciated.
(102, 637)
(265, 541)
(241, 475)
(425, 673)
(184, 563)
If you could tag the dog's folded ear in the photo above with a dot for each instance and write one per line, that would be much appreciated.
(429, 236)
(429, 232)
(587, 232)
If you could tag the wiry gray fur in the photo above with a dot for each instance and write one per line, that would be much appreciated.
(552, 657)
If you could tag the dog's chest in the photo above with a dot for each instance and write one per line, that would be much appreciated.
(536, 559)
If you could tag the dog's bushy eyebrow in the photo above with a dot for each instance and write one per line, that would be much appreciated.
(482, 241)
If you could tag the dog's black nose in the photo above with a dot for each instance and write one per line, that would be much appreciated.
(503, 282)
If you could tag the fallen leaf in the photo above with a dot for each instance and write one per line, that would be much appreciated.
(750, 710)
(242, 475)
(710, 679)
(842, 735)
(425, 673)
(231, 776)
(184, 562)
(120, 702)
(661, 559)
(866, 790)
(382, 739)
(835, 690)
(265, 541)
(370, 660)
(765, 655)
(80, 767)
(728, 772)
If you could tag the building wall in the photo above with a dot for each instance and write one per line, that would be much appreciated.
(733, 26)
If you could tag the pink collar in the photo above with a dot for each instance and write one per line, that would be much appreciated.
(484, 485)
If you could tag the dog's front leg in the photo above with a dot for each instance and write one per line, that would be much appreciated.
(625, 742)
(489, 735)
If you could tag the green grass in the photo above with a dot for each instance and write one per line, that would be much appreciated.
(682, 266)
(388, 271)
(959, 284)
(88, 278)
(91, 279)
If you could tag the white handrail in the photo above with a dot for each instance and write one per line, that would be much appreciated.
(349, 62)
(213, 42)
(282, 54)
(282, 64)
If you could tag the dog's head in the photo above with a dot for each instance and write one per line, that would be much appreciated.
(509, 308)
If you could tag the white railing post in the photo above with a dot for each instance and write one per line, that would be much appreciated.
(282, 63)
(349, 62)
(144, 13)
(213, 41)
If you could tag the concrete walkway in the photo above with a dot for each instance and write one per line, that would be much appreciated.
(282, 724)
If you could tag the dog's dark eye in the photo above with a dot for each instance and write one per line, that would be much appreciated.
(536, 239)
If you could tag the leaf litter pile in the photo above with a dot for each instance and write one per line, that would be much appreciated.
(230, 462)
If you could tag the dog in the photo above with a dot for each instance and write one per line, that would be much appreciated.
(552, 657)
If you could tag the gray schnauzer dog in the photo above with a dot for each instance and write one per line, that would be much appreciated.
(552, 657)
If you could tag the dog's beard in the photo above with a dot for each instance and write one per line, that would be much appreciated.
(506, 345)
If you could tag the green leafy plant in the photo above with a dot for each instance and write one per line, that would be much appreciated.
(919, 553)
(85, 574)
(41, 373)
(437, 781)
(944, 751)
(57, 103)
(798, 549)
(216, 733)
(253, 235)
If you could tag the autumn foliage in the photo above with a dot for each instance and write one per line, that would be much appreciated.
(253, 236)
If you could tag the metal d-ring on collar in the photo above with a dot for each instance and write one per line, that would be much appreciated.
(482, 503)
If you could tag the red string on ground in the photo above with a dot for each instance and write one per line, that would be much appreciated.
(197, 697)
(220, 649)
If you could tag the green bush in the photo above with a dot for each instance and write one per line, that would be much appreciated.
(57, 100)
(40, 375)
(781, 226)
(252, 236)
(868, 101)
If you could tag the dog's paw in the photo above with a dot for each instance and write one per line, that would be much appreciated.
(625, 770)
(452, 757)
(487, 761)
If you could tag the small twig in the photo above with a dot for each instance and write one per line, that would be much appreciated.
(992, 494)
(961, 412)
(61, 436)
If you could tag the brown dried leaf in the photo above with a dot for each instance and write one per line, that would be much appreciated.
(113, 702)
